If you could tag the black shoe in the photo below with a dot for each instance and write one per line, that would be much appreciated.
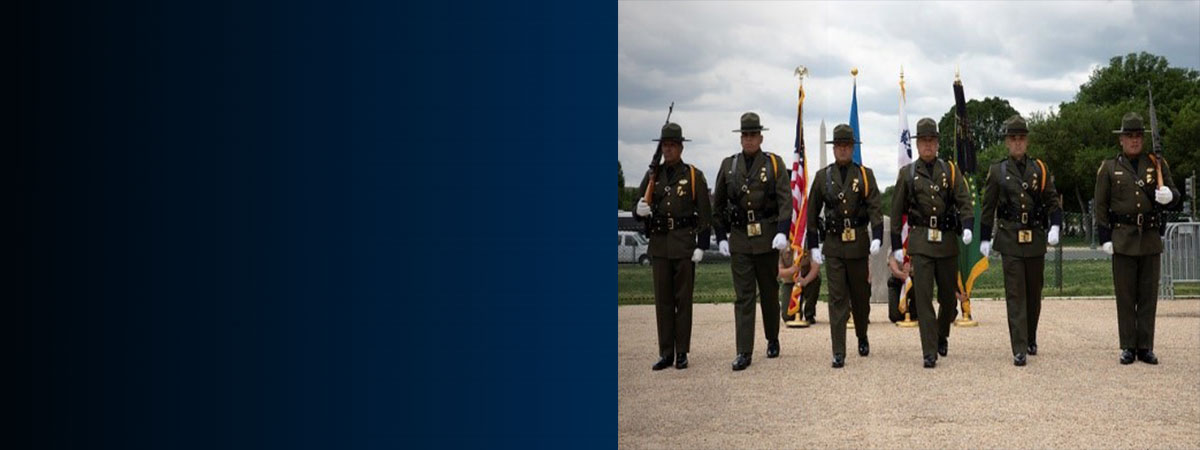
(943, 346)
(839, 360)
(930, 361)
(1019, 360)
(1032, 348)
(742, 361)
(1126, 356)
(773, 348)
(663, 363)
(681, 361)
(864, 348)
(811, 319)
(1147, 356)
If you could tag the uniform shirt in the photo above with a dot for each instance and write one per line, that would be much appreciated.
(673, 198)
(763, 186)
(924, 190)
(1018, 187)
(843, 193)
(1117, 191)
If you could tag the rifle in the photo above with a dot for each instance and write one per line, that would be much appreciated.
(657, 160)
(1157, 145)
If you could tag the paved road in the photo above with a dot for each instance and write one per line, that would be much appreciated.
(1072, 394)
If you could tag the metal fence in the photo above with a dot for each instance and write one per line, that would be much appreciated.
(1180, 257)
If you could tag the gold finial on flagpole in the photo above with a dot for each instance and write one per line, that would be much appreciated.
(854, 71)
(801, 72)
(902, 72)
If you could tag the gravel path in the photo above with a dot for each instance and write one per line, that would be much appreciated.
(1072, 394)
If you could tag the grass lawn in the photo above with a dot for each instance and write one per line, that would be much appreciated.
(714, 284)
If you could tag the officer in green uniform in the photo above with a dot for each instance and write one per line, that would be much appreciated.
(934, 195)
(848, 194)
(1021, 199)
(1129, 206)
(677, 221)
(753, 204)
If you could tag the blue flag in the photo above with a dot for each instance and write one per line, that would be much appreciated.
(854, 123)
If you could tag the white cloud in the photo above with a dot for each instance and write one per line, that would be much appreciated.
(717, 60)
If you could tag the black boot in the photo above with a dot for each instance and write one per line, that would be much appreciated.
(1126, 356)
(1147, 356)
(681, 361)
(930, 361)
(1032, 347)
(773, 348)
(811, 319)
(839, 360)
(663, 363)
(742, 361)
(1019, 359)
(943, 346)
(864, 347)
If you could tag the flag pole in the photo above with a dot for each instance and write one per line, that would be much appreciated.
(798, 173)
(964, 297)
(906, 288)
(854, 76)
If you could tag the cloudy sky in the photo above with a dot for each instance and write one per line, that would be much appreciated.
(716, 60)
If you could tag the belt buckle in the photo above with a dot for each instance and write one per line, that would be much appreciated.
(1024, 218)
(670, 223)
(1139, 220)
(750, 216)
(933, 222)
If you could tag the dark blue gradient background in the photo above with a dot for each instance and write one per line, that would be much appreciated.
(311, 224)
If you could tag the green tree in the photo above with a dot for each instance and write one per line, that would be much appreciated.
(1076, 138)
(987, 117)
(620, 187)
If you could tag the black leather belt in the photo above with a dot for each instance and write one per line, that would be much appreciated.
(1036, 219)
(836, 226)
(945, 222)
(740, 217)
(1148, 220)
(663, 224)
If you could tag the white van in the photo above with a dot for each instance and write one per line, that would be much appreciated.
(632, 248)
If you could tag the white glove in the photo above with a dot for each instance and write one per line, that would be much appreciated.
(723, 247)
(1052, 238)
(985, 248)
(1107, 247)
(817, 257)
(1163, 195)
(780, 242)
(966, 237)
(697, 255)
(875, 246)
(898, 255)
(642, 208)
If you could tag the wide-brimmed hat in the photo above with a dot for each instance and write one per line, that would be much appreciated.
(672, 132)
(926, 128)
(1015, 126)
(750, 124)
(843, 133)
(1131, 123)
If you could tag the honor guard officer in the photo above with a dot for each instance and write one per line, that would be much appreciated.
(753, 213)
(1132, 191)
(1021, 199)
(848, 194)
(677, 220)
(935, 196)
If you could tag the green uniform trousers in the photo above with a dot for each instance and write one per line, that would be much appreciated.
(849, 289)
(944, 271)
(1135, 279)
(674, 279)
(755, 276)
(1023, 279)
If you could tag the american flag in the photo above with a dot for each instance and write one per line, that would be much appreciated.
(799, 202)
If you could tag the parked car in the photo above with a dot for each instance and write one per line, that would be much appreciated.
(632, 248)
